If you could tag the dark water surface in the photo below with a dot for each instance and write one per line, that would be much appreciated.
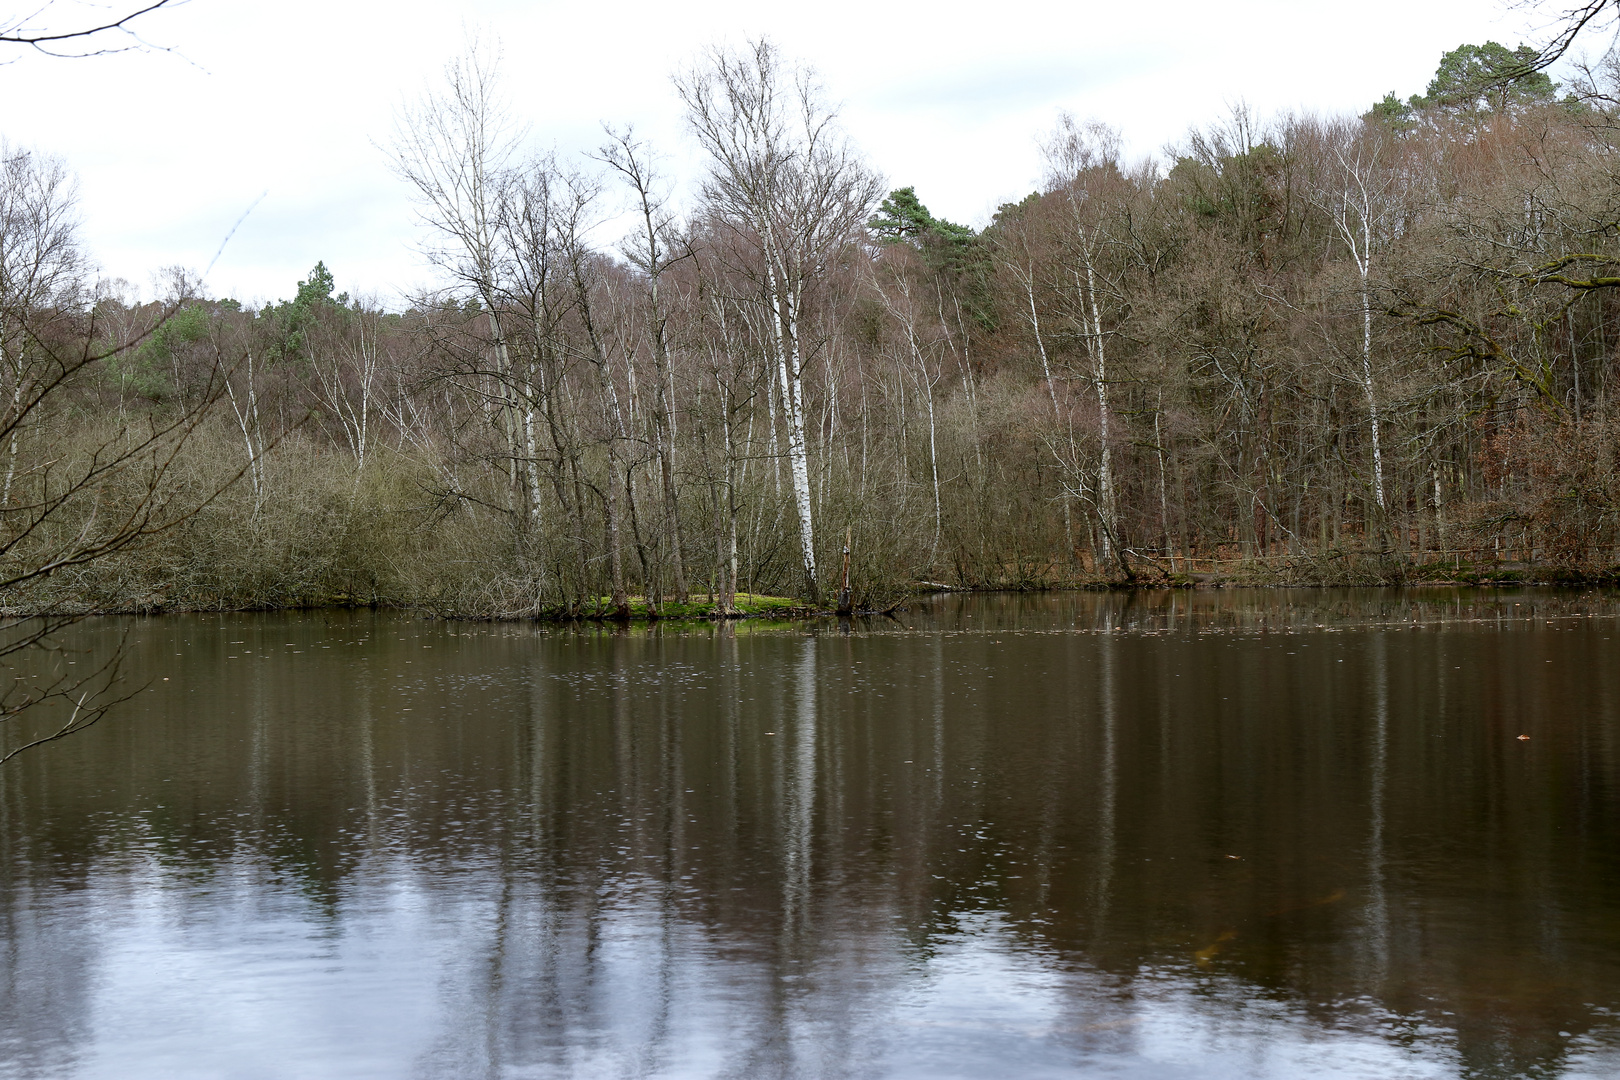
(1230, 834)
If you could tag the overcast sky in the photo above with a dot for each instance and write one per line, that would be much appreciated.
(293, 99)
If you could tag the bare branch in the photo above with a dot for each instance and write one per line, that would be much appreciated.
(48, 41)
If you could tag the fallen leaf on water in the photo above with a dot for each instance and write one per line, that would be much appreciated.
(1207, 953)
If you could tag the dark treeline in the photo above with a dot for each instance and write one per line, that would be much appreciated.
(1306, 348)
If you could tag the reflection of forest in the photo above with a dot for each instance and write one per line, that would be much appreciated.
(779, 854)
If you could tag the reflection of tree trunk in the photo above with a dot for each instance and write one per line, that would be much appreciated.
(1377, 901)
(368, 759)
(939, 727)
(669, 907)
(1108, 781)
(800, 800)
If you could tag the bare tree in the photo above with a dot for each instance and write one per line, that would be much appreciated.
(346, 362)
(1016, 246)
(1082, 164)
(584, 269)
(783, 178)
(69, 503)
(926, 339)
(456, 148)
(41, 266)
(652, 252)
(1354, 183)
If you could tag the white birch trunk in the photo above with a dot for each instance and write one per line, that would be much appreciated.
(784, 323)
(1099, 385)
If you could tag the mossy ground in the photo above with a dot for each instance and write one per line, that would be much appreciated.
(702, 606)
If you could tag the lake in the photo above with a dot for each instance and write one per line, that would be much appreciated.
(1228, 833)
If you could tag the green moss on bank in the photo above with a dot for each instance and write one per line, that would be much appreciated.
(701, 606)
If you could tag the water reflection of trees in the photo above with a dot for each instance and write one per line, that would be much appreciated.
(638, 852)
(1221, 611)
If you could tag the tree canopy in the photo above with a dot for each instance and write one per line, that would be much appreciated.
(1488, 78)
(903, 219)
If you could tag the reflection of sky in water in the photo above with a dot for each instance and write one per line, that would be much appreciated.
(1009, 842)
(459, 975)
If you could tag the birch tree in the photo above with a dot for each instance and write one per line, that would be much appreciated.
(1082, 164)
(650, 250)
(345, 360)
(1354, 185)
(925, 340)
(455, 147)
(583, 268)
(1019, 259)
(786, 181)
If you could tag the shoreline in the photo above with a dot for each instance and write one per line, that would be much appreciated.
(699, 608)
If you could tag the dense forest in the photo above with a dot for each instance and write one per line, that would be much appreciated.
(1295, 349)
